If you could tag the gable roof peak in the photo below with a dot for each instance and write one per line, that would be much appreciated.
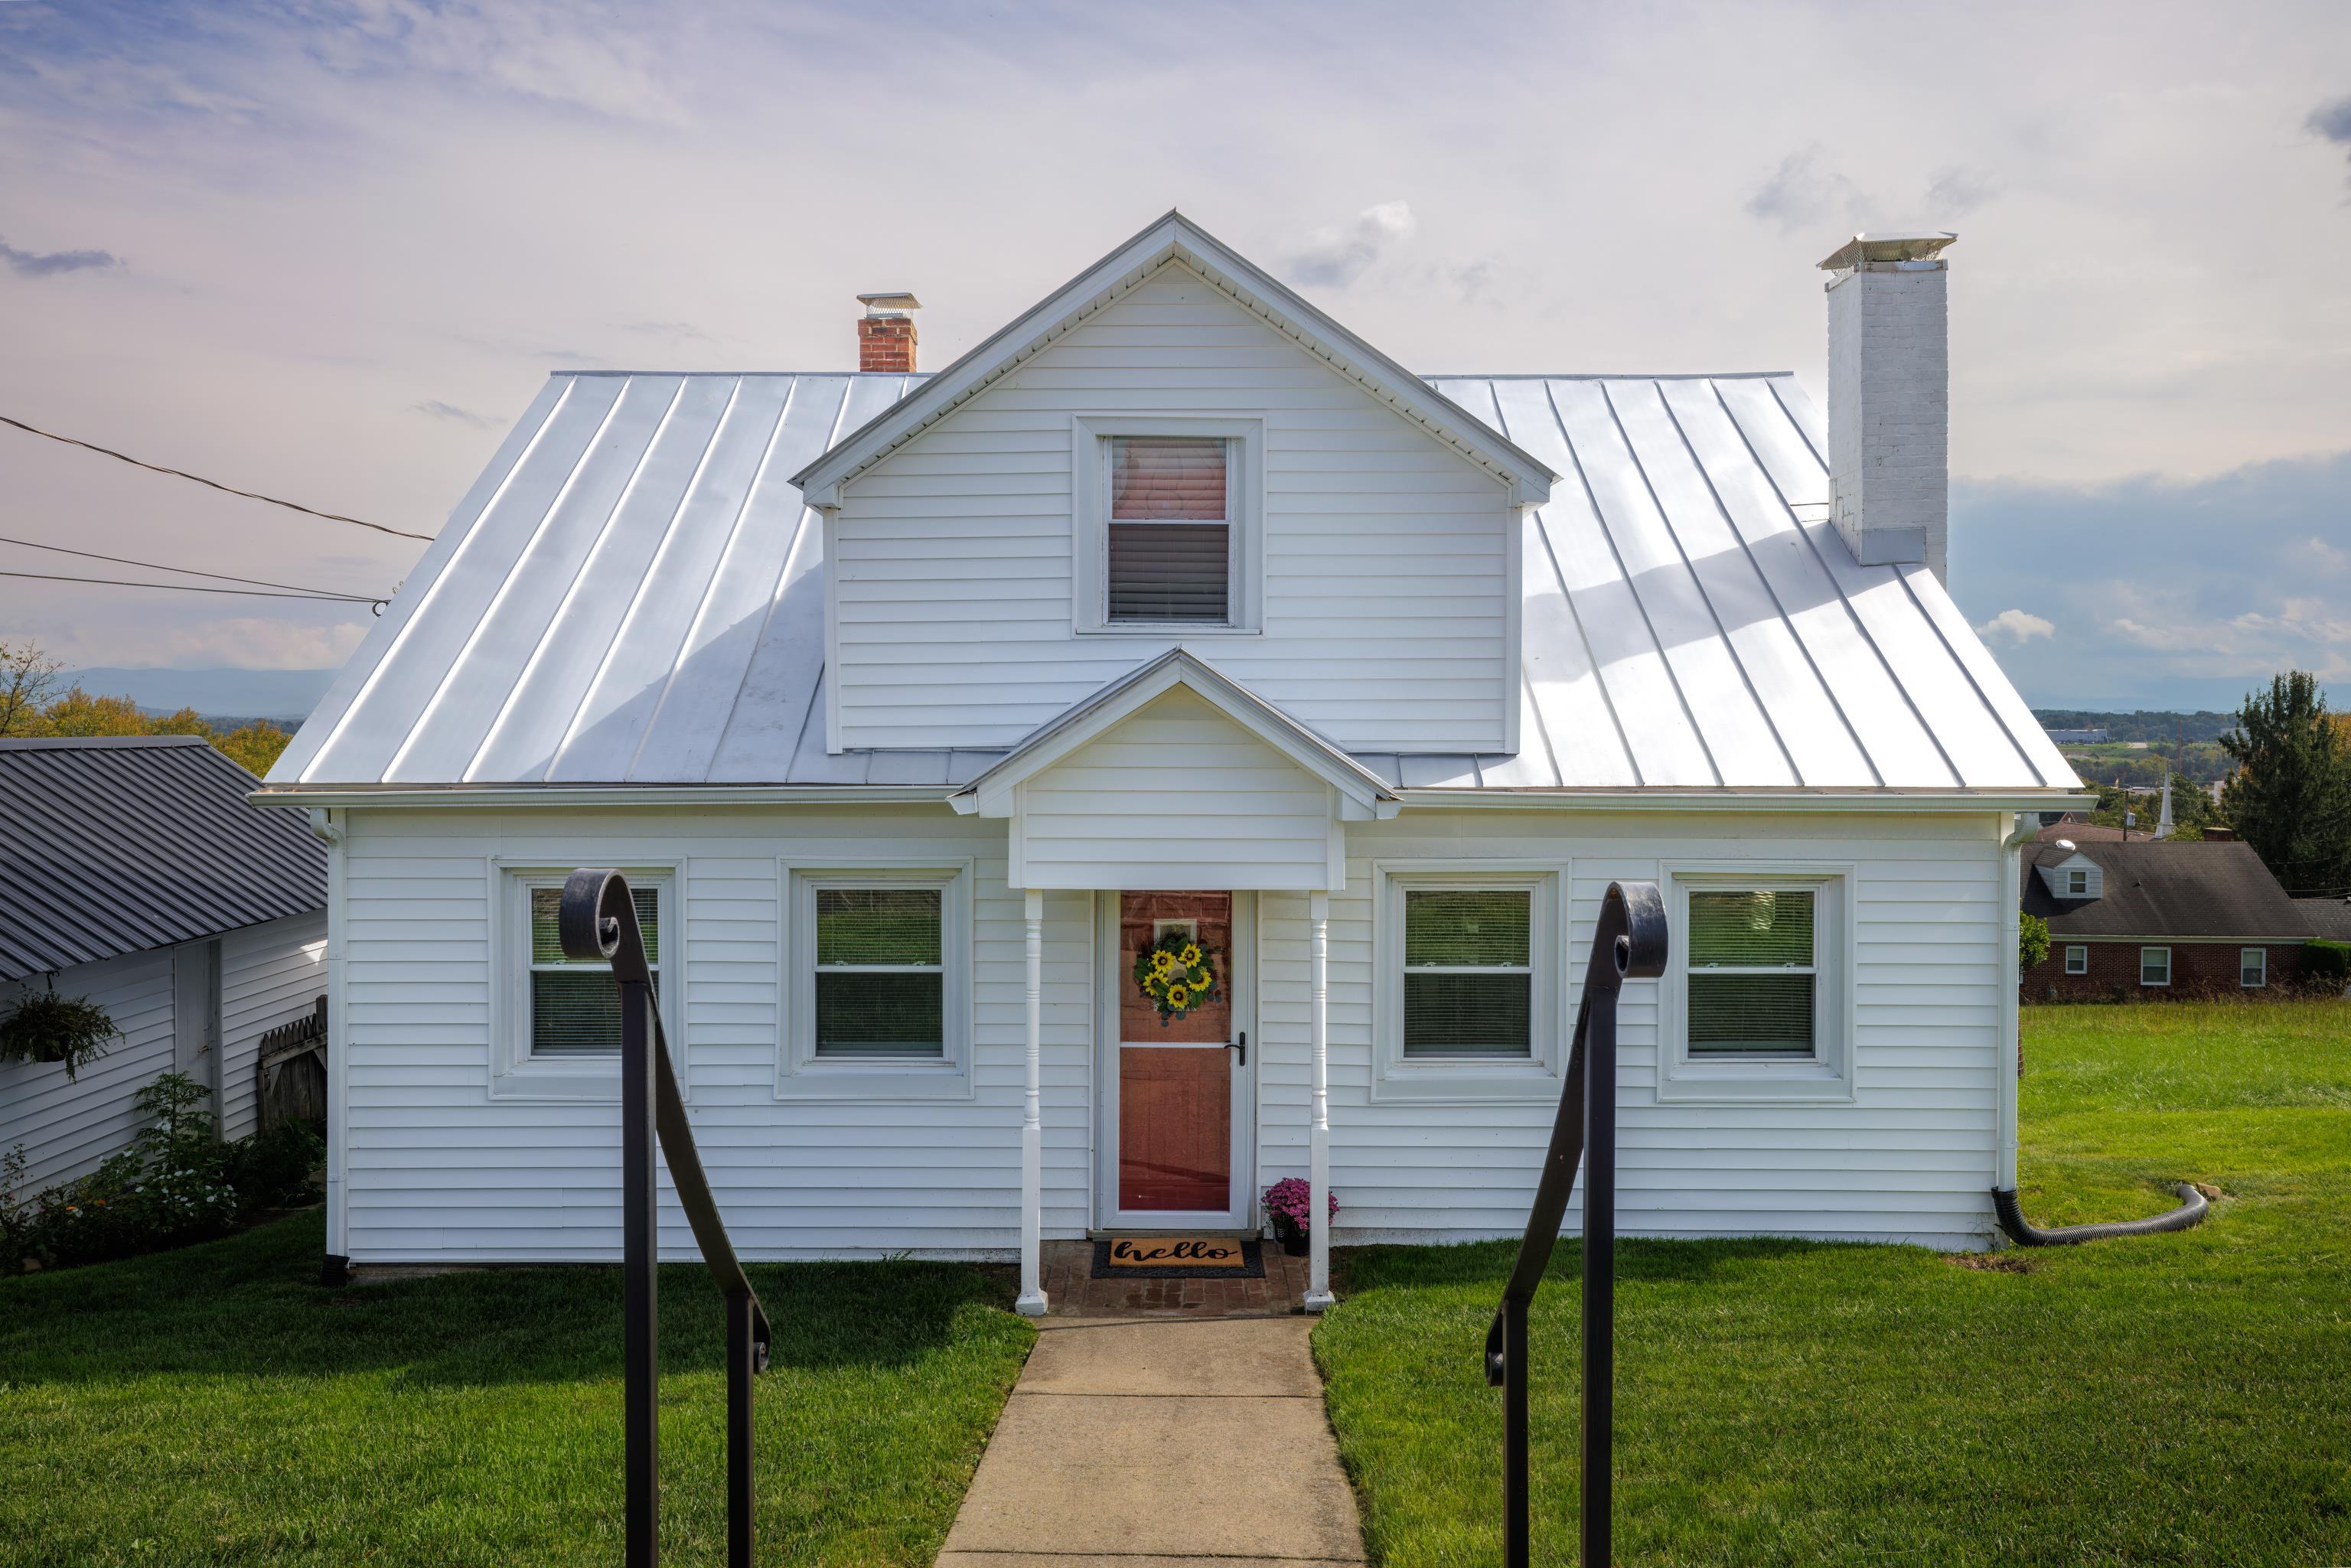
(1169, 238)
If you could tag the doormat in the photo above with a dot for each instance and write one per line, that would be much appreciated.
(1178, 1258)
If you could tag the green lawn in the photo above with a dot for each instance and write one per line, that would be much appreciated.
(2182, 1398)
(214, 1405)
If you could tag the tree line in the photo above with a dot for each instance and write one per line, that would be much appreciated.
(32, 705)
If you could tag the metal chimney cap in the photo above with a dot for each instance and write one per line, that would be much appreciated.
(1921, 246)
(889, 303)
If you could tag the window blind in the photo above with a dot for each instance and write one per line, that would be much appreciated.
(1468, 976)
(1170, 535)
(1753, 983)
(881, 983)
(575, 1005)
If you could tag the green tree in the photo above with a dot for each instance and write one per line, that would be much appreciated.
(2291, 795)
(2032, 941)
(26, 678)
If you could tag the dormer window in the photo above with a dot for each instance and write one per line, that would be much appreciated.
(2077, 882)
(1170, 556)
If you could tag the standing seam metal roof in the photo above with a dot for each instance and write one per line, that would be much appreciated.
(632, 593)
(119, 845)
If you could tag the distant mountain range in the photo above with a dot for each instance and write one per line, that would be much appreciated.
(282, 696)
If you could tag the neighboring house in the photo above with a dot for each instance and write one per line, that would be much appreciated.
(138, 877)
(919, 708)
(2153, 918)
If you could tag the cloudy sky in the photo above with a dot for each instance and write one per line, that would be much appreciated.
(328, 251)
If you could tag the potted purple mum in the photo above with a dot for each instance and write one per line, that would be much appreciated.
(1290, 1203)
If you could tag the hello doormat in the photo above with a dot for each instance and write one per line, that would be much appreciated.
(1178, 1258)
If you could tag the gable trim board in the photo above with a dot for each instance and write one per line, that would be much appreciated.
(1174, 238)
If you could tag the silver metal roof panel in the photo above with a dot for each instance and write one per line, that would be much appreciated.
(634, 594)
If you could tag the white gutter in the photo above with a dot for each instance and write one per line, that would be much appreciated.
(1636, 799)
(545, 794)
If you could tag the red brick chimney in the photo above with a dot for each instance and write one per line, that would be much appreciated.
(885, 335)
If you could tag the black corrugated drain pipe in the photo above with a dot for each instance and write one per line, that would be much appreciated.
(2025, 1233)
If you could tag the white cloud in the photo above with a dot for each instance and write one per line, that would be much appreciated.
(1336, 257)
(2016, 626)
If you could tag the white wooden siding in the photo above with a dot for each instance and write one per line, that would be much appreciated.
(438, 1170)
(270, 975)
(1912, 1159)
(1177, 796)
(66, 1126)
(1388, 588)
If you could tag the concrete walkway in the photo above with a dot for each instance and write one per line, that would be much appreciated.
(1150, 1443)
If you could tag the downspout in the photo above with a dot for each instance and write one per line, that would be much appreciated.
(2005, 1207)
(335, 1270)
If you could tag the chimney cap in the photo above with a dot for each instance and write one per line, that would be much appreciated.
(1920, 246)
(889, 302)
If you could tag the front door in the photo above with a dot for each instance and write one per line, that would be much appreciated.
(1175, 1025)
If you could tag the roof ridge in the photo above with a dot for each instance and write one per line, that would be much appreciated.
(77, 742)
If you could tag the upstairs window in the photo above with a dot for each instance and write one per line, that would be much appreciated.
(1170, 557)
(2077, 882)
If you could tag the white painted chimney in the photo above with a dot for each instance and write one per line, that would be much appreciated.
(1890, 398)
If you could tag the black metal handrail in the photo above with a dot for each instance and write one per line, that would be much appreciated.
(598, 919)
(1630, 943)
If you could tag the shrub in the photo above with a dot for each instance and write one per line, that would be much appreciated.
(175, 1185)
(2326, 961)
(2032, 941)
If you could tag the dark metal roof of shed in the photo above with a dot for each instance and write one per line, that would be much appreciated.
(113, 845)
(2165, 888)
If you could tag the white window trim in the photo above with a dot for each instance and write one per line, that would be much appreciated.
(2142, 966)
(1089, 521)
(2077, 882)
(515, 1073)
(1827, 1076)
(800, 1072)
(2261, 956)
(1497, 1080)
(2078, 950)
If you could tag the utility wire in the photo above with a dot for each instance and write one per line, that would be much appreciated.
(215, 484)
(198, 588)
(185, 571)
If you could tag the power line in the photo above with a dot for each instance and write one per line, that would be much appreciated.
(198, 588)
(215, 484)
(187, 571)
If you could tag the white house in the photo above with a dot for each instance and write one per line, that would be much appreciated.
(920, 707)
(138, 879)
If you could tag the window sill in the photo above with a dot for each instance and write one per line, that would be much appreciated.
(595, 1078)
(1492, 1081)
(1737, 1082)
(874, 1080)
(1178, 630)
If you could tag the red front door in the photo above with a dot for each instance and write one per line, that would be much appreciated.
(1175, 1067)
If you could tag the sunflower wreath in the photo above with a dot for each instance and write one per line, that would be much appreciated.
(1178, 974)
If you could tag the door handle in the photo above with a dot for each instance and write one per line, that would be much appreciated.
(1240, 1043)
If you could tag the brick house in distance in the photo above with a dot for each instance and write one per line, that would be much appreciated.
(2154, 917)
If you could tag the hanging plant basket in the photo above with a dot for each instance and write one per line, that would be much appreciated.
(46, 1027)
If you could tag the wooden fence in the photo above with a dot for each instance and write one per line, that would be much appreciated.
(290, 1077)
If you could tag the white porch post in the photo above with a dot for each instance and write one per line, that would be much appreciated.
(1318, 1134)
(1032, 1301)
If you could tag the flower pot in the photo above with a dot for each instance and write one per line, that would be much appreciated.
(1293, 1239)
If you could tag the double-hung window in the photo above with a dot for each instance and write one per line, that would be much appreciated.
(1170, 547)
(1759, 1002)
(1468, 972)
(2077, 882)
(2155, 966)
(559, 1030)
(880, 972)
(1754, 975)
(878, 966)
(2077, 960)
(2253, 967)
